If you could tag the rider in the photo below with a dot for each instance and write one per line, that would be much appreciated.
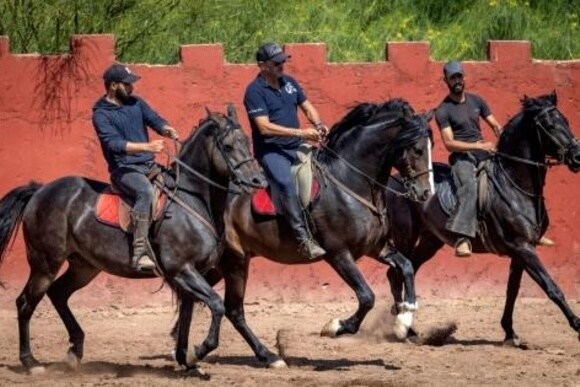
(121, 120)
(458, 119)
(271, 101)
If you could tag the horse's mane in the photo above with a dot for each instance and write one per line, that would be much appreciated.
(368, 113)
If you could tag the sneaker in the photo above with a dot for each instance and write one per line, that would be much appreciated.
(144, 263)
(463, 248)
(545, 241)
(310, 249)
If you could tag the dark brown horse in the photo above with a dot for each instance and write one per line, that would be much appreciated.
(348, 218)
(59, 225)
(512, 218)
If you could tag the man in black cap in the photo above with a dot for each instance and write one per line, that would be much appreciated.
(458, 119)
(120, 120)
(272, 100)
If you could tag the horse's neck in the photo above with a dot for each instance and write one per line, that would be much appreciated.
(357, 167)
(524, 145)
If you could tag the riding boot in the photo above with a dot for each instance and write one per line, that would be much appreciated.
(292, 210)
(143, 256)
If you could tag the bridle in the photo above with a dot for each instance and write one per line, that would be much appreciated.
(236, 177)
(407, 182)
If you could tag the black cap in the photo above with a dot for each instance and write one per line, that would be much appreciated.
(120, 73)
(271, 51)
(453, 67)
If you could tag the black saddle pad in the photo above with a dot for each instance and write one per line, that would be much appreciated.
(445, 187)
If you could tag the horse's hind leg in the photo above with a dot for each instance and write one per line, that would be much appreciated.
(513, 288)
(192, 286)
(77, 276)
(42, 274)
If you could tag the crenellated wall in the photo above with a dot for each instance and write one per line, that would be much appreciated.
(46, 132)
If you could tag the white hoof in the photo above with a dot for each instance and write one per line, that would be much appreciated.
(37, 370)
(331, 328)
(278, 364)
(191, 360)
(173, 355)
(403, 323)
(72, 360)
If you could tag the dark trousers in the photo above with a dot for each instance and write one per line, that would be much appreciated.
(276, 165)
(133, 183)
(464, 221)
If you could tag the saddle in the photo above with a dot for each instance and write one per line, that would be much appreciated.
(307, 186)
(112, 209)
(446, 189)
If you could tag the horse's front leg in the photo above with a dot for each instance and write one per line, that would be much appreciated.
(407, 306)
(346, 267)
(194, 287)
(513, 288)
(235, 272)
(538, 272)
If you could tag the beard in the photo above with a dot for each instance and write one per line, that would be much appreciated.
(457, 88)
(122, 95)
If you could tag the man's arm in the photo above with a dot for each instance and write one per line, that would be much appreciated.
(268, 128)
(454, 145)
(493, 124)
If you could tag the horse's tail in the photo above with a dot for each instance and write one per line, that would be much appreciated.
(12, 206)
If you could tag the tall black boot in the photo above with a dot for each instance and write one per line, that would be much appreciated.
(143, 255)
(292, 211)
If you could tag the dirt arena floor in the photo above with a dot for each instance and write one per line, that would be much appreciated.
(130, 346)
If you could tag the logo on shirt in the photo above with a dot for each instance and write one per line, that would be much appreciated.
(290, 89)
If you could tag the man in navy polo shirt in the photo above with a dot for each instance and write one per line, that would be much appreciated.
(272, 101)
(121, 120)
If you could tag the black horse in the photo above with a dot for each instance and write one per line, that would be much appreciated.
(348, 218)
(59, 225)
(512, 216)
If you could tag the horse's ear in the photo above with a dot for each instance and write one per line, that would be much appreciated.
(553, 97)
(207, 111)
(231, 109)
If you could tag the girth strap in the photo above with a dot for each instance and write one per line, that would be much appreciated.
(171, 195)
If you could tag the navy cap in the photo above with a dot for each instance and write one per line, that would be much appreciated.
(119, 73)
(271, 51)
(453, 67)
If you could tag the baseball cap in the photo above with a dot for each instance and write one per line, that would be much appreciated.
(120, 73)
(271, 51)
(452, 67)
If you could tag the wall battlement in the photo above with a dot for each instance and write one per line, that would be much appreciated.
(46, 130)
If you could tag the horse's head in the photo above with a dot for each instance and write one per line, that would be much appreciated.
(227, 148)
(556, 137)
(373, 138)
(413, 160)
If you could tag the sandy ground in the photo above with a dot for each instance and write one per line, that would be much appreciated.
(130, 346)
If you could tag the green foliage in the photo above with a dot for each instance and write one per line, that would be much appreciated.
(355, 30)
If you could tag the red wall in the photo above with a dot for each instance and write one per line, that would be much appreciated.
(46, 132)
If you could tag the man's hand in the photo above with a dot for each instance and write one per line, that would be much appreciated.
(311, 134)
(487, 146)
(170, 132)
(156, 146)
(323, 129)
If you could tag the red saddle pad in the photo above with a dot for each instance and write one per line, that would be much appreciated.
(107, 207)
(262, 202)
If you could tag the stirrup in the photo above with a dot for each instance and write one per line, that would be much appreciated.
(311, 250)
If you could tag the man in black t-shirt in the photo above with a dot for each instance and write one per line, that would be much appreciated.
(458, 120)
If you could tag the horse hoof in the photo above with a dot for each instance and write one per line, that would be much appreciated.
(173, 355)
(72, 360)
(278, 364)
(331, 328)
(37, 370)
(513, 342)
(403, 323)
(191, 359)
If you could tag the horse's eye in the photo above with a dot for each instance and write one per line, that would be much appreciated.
(228, 148)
